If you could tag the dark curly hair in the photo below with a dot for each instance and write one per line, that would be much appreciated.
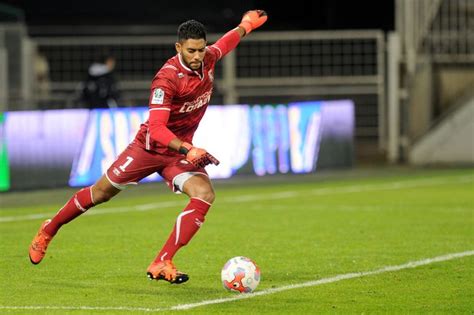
(191, 29)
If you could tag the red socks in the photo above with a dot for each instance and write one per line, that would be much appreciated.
(77, 205)
(187, 224)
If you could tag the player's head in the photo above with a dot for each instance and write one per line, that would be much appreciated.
(191, 43)
(107, 59)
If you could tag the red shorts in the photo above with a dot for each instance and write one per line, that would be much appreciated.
(136, 163)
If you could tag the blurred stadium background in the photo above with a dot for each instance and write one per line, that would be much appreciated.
(406, 65)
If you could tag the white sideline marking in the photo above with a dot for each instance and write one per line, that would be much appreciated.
(271, 196)
(82, 308)
(143, 207)
(409, 265)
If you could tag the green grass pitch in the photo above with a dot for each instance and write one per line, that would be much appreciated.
(297, 229)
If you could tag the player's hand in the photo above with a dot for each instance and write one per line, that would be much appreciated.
(253, 19)
(197, 156)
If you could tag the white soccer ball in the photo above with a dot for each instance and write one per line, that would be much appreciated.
(240, 274)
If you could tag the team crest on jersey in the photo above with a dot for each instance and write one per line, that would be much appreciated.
(180, 75)
(158, 96)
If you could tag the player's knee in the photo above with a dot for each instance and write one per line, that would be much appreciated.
(101, 195)
(199, 187)
(205, 193)
(211, 196)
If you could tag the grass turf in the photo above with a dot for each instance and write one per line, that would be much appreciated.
(296, 231)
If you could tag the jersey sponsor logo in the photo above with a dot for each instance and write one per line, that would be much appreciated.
(158, 96)
(197, 103)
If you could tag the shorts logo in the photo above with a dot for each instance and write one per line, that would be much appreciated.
(158, 96)
(184, 162)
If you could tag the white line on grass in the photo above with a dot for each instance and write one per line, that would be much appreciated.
(143, 207)
(411, 264)
(271, 196)
(83, 308)
(408, 265)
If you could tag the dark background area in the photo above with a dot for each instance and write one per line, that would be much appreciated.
(216, 15)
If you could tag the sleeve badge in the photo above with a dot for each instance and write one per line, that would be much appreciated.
(158, 96)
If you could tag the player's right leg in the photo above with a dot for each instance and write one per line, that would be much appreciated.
(79, 203)
(133, 164)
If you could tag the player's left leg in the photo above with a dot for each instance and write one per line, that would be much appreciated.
(201, 193)
(199, 188)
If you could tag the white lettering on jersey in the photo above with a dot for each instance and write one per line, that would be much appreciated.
(158, 97)
(197, 103)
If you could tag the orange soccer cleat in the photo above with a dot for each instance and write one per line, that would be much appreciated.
(165, 270)
(39, 244)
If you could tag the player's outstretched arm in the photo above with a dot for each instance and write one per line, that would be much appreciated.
(251, 20)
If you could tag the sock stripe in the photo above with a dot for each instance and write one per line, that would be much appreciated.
(92, 196)
(186, 226)
(78, 205)
(178, 223)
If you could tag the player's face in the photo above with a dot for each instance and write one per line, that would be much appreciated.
(192, 51)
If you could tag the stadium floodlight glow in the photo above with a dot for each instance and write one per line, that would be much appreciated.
(258, 140)
(305, 130)
(225, 131)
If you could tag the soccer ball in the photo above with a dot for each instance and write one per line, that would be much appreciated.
(240, 274)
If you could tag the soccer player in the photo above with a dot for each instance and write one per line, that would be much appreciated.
(180, 93)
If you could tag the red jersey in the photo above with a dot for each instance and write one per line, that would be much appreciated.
(185, 93)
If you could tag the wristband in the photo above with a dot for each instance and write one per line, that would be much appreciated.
(184, 148)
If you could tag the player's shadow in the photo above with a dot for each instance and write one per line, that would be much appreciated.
(166, 289)
(68, 284)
